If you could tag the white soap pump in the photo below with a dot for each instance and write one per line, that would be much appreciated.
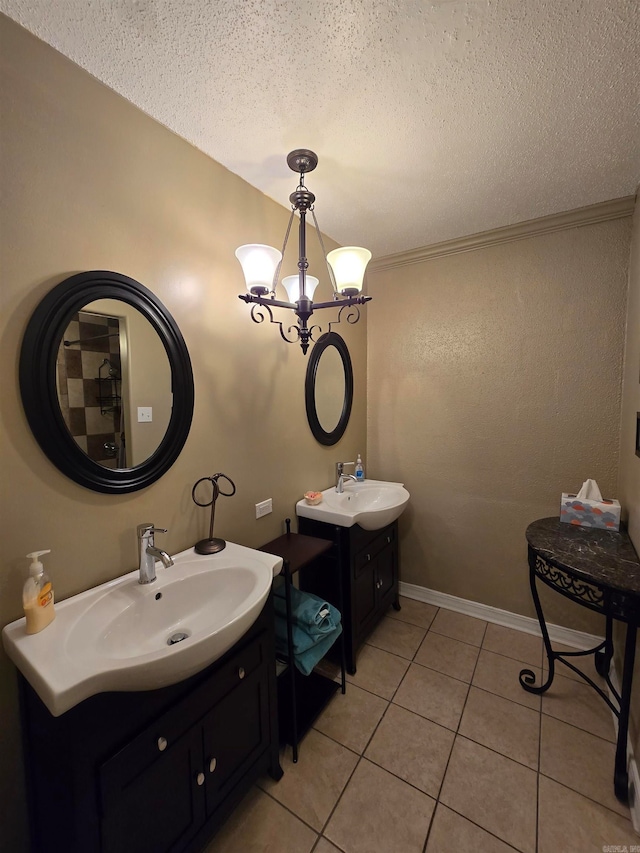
(37, 595)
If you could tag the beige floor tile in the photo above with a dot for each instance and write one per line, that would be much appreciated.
(450, 833)
(502, 725)
(492, 791)
(397, 638)
(458, 626)
(325, 846)
(379, 812)
(513, 644)
(261, 825)
(433, 695)
(351, 719)
(378, 671)
(580, 705)
(413, 748)
(572, 823)
(310, 788)
(586, 664)
(449, 656)
(499, 674)
(416, 612)
(579, 760)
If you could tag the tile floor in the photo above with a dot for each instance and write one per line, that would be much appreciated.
(436, 748)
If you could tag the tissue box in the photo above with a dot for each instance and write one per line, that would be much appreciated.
(587, 513)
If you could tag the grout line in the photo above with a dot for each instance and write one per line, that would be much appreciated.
(483, 828)
(586, 796)
(538, 776)
(506, 698)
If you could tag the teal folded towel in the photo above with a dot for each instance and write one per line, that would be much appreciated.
(315, 627)
(305, 661)
(314, 615)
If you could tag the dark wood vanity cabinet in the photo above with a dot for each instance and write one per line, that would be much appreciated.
(157, 771)
(366, 562)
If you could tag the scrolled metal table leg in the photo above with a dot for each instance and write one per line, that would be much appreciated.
(527, 677)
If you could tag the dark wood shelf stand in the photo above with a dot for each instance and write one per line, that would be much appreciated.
(298, 714)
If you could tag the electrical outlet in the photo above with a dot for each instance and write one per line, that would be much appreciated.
(145, 414)
(264, 508)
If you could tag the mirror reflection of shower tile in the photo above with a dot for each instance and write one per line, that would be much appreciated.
(77, 421)
(74, 364)
(97, 423)
(81, 441)
(91, 362)
(91, 392)
(75, 390)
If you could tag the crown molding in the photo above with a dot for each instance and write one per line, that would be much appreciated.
(616, 208)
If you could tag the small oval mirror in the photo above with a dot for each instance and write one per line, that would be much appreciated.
(329, 389)
(106, 382)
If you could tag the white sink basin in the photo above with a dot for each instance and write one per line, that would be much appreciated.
(372, 504)
(116, 636)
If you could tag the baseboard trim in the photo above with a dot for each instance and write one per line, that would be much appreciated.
(557, 633)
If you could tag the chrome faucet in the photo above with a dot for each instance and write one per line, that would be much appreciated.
(341, 476)
(149, 553)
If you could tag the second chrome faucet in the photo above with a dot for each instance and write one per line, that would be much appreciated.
(149, 553)
(341, 476)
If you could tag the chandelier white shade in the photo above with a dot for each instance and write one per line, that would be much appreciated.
(348, 265)
(259, 264)
(291, 284)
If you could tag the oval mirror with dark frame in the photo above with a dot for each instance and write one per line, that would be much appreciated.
(329, 388)
(106, 382)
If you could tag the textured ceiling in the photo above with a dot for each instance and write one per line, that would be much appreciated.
(431, 120)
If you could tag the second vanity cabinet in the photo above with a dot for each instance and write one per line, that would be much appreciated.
(366, 561)
(157, 771)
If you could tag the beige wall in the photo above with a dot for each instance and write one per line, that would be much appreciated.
(497, 388)
(90, 182)
(629, 476)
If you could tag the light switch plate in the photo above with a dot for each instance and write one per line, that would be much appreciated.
(145, 414)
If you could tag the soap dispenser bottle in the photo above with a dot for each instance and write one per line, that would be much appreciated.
(37, 595)
(359, 469)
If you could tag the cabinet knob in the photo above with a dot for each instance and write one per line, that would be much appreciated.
(200, 778)
(368, 558)
(241, 672)
(388, 539)
(212, 765)
(162, 744)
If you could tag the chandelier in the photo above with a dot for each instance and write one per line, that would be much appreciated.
(261, 266)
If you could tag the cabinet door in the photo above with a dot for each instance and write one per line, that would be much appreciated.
(153, 794)
(364, 591)
(234, 735)
(386, 568)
